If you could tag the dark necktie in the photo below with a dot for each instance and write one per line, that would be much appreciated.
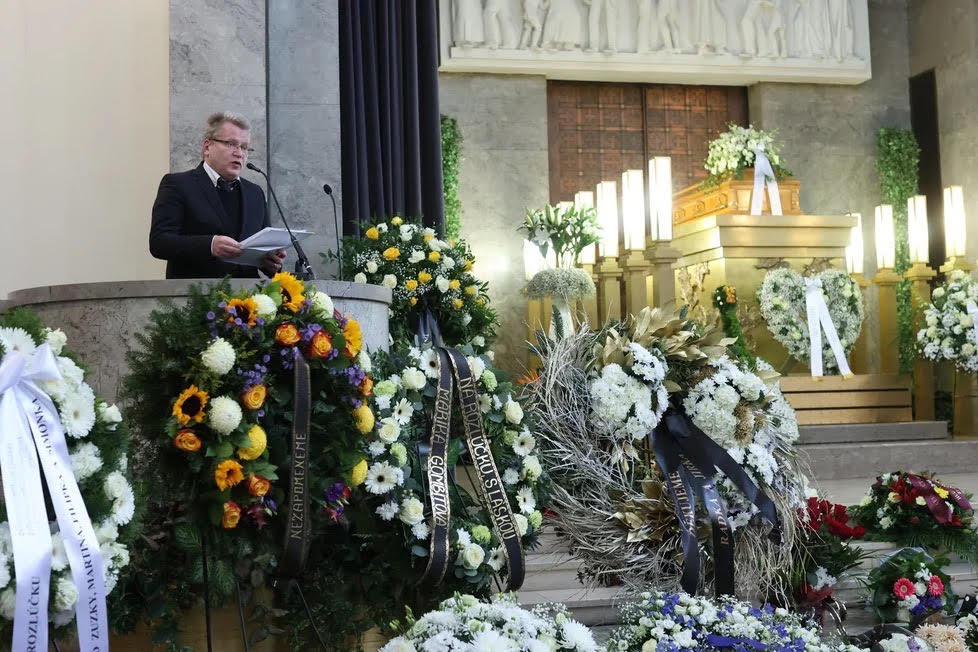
(227, 186)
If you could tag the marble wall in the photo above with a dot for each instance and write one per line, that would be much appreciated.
(503, 120)
(943, 38)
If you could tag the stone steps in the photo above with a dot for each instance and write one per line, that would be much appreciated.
(591, 606)
(872, 432)
(838, 461)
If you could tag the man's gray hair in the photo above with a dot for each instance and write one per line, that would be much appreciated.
(215, 121)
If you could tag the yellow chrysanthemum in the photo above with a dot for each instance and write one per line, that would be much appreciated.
(434, 256)
(358, 474)
(480, 301)
(472, 290)
(457, 303)
(397, 221)
(364, 419)
(227, 474)
(454, 284)
(259, 441)
(353, 336)
(467, 265)
(190, 405)
(293, 291)
(244, 309)
(411, 285)
(372, 233)
(413, 301)
(392, 253)
(942, 492)
(424, 277)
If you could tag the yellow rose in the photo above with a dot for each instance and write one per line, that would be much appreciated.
(227, 474)
(472, 290)
(364, 419)
(187, 440)
(411, 285)
(413, 301)
(454, 284)
(396, 221)
(392, 253)
(457, 303)
(258, 485)
(358, 474)
(254, 397)
(434, 256)
(372, 233)
(232, 514)
(259, 441)
(424, 277)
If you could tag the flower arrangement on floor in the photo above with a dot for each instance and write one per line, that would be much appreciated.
(600, 397)
(97, 443)
(916, 509)
(781, 296)
(398, 492)
(463, 623)
(968, 626)
(823, 554)
(950, 333)
(732, 152)
(212, 385)
(678, 621)
(908, 585)
(423, 273)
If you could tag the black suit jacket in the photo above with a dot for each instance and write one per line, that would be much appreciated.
(188, 213)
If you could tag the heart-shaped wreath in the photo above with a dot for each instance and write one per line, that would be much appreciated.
(782, 299)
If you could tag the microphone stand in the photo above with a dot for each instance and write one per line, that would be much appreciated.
(302, 267)
(328, 189)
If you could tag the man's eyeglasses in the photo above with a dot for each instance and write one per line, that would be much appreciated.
(232, 145)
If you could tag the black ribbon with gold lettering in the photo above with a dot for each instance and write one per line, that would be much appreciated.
(441, 509)
(689, 459)
(296, 546)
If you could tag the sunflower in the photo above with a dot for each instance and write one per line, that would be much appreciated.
(227, 474)
(292, 290)
(190, 405)
(354, 338)
(244, 309)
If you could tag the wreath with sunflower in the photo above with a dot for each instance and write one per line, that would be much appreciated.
(97, 443)
(213, 386)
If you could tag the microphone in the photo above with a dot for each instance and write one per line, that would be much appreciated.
(302, 267)
(328, 189)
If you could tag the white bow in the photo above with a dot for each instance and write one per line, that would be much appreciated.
(764, 172)
(30, 428)
(818, 319)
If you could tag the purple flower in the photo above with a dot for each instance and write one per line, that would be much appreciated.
(211, 316)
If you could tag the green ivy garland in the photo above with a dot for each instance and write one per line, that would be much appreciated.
(451, 157)
(897, 158)
(725, 299)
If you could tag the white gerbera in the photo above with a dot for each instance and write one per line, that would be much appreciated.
(524, 444)
(496, 559)
(224, 414)
(577, 637)
(490, 640)
(429, 363)
(219, 356)
(525, 500)
(78, 411)
(403, 411)
(382, 477)
(323, 303)
(85, 460)
(17, 339)
(264, 305)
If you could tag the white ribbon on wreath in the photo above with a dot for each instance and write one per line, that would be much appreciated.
(819, 319)
(30, 429)
(764, 175)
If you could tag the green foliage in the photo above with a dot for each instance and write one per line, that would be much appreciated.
(451, 159)
(725, 299)
(897, 158)
(904, 564)
(565, 228)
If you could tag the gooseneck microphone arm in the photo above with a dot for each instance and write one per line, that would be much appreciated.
(328, 189)
(302, 267)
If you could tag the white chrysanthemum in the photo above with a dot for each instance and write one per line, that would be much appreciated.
(429, 363)
(73, 374)
(511, 476)
(490, 640)
(399, 644)
(364, 361)
(376, 448)
(477, 366)
(264, 305)
(420, 530)
(323, 303)
(109, 414)
(17, 339)
(56, 339)
(124, 501)
(8, 602)
(85, 460)
(65, 594)
(525, 500)
(531, 468)
(387, 511)
(577, 637)
(4, 571)
(224, 414)
(522, 523)
(218, 357)
(78, 411)
(59, 556)
(382, 477)
(107, 532)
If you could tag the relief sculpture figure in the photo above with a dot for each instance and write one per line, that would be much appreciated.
(499, 25)
(597, 8)
(812, 30)
(562, 29)
(840, 19)
(532, 27)
(762, 29)
(644, 28)
(667, 19)
(468, 23)
(707, 27)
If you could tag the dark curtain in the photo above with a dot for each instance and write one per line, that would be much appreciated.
(391, 132)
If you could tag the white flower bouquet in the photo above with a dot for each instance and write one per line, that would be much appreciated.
(465, 624)
(732, 152)
(949, 332)
(565, 228)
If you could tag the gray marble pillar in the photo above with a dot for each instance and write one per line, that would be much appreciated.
(304, 117)
(217, 63)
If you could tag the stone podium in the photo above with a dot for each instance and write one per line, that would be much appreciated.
(101, 319)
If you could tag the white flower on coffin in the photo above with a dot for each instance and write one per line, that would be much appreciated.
(360, 277)
(371, 266)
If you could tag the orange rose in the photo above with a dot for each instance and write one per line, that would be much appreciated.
(254, 397)
(227, 474)
(287, 334)
(186, 440)
(367, 386)
(232, 514)
(258, 485)
(321, 345)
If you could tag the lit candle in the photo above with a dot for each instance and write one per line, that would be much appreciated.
(885, 239)
(917, 229)
(633, 209)
(607, 203)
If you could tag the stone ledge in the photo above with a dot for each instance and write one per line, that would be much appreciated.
(867, 460)
(873, 432)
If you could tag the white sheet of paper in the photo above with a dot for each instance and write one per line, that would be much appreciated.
(268, 239)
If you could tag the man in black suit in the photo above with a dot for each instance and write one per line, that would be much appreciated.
(201, 215)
